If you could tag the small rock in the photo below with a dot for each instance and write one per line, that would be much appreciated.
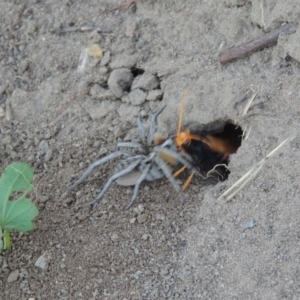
(44, 145)
(13, 276)
(105, 59)
(4, 265)
(145, 237)
(99, 93)
(124, 61)
(118, 132)
(42, 262)
(95, 51)
(137, 274)
(137, 97)
(119, 81)
(160, 217)
(141, 208)
(142, 218)
(114, 237)
(130, 28)
(154, 95)
(48, 155)
(132, 220)
(249, 225)
(146, 82)
(43, 199)
(2, 112)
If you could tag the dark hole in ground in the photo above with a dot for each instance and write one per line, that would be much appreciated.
(136, 71)
(218, 141)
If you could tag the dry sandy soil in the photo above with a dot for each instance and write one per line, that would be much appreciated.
(63, 118)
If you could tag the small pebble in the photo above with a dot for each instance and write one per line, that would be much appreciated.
(48, 154)
(142, 218)
(154, 95)
(42, 262)
(95, 51)
(132, 221)
(160, 217)
(123, 61)
(13, 276)
(137, 97)
(146, 82)
(2, 112)
(141, 208)
(119, 81)
(114, 237)
(249, 225)
(145, 237)
(105, 59)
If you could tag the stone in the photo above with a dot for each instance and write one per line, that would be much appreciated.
(123, 61)
(137, 97)
(146, 82)
(120, 81)
(42, 262)
(13, 276)
(95, 51)
(154, 95)
(105, 59)
(114, 237)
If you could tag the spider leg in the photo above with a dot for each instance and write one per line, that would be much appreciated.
(94, 165)
(131, 167)
(164, 167)
(178, 157)
(130, 145)
(153, 124)
(141, 128)
(137, 185)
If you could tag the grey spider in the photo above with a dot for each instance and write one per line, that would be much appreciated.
(150, 162)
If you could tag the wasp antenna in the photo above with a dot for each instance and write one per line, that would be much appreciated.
(181, 111)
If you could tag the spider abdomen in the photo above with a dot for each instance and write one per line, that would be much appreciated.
(131, 178)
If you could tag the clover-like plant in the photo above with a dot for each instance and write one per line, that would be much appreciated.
(15, 214)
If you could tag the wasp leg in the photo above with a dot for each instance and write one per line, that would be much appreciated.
(177, 173)
(153, 124)
(94, 165)
(164, 167)
(131, 167)
(137, 185)
(188, 181)
(141, 128)
(179, 158)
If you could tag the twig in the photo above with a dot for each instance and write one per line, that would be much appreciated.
(126, 5)
(248, 104)
(79, 29)
(256, 44)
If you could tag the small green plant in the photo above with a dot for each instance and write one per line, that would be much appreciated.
(16, 214)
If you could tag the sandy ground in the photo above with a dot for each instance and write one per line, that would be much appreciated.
(63, 118)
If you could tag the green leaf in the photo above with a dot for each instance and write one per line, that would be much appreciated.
(17, 214)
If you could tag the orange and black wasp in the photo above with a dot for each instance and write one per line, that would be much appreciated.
(208, 148)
